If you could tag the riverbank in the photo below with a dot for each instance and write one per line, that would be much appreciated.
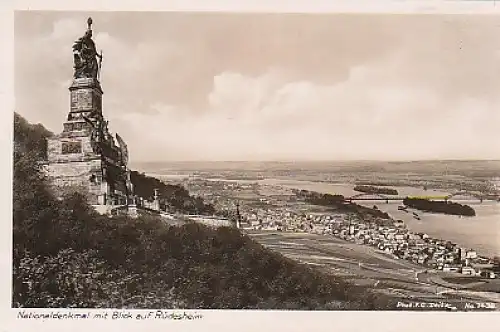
(338, 203)
(481, 232)
(395, 240)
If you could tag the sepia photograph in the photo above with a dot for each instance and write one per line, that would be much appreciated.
(256, 161)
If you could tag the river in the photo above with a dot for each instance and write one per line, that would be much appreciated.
(481, 233)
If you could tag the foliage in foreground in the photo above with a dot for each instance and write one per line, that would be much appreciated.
(66, 255)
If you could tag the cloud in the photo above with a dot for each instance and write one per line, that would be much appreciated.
(44, 71)
(64, 29)
(252, 87)
(370, 115)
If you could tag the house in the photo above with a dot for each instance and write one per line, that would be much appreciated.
(451, 268)
(471, 254)
(468, 270)
(479, 266)
(421, 259)
(487, 274)
(432, 262)
(399, 236)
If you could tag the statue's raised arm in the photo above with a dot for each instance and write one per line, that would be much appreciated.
(85, 55)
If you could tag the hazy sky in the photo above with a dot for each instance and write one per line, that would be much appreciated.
(187, 86)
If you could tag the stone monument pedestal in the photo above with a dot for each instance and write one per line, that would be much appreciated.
(84, 156)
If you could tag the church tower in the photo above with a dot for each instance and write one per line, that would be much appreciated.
(85, 155)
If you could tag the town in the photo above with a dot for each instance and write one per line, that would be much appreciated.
(273, 208)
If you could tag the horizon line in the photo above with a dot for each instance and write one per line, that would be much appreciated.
(316, 160)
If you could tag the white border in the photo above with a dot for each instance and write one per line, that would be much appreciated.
(218, 320)
(282, 6)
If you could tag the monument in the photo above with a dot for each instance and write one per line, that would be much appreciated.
(85, 155)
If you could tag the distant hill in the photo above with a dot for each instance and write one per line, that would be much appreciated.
(65, 255)
(469, 168)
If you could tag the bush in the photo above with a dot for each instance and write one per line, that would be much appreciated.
(66, 255)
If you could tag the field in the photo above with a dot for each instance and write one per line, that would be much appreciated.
(369, 267)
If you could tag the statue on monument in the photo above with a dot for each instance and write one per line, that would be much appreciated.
(96, 133)
(85, 56)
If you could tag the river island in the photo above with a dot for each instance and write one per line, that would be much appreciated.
(445, 207)
(375, 190)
